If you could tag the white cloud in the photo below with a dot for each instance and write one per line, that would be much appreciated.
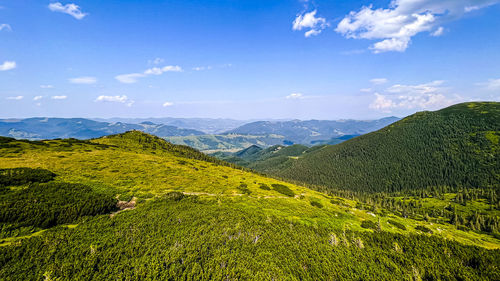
(403, 19)
(83, 80)
(7, 65)
(5, 26)
(46, 86)
(15, 98)
(295, 96)
(201, 68)
(422, 96)
(311, 22)
(438, 32)
(129, 78)
(491, 85)
(382, 103)
(120, 99)
(165, 104)
(59, 97)
(37, 98)
(156, 61)
(379, 81)
(70, 9)
(133, 77)
(426, 88)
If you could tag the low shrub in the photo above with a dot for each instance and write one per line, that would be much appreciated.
(283, 189)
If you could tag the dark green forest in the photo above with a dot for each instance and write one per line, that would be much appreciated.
(456, 147)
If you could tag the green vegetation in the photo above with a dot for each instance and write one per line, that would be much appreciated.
(228, 142)
(369, 224)
(423, 229)
(283, 189)
(21, 176)
(187, 216)
(49, 204)
(453, 147)
(397, 224)
(200, 239)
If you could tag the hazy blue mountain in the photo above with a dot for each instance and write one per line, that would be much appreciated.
(80, 128)
(206, 125)
(228, 142)
(313, 132)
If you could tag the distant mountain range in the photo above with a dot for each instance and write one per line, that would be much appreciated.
(183, 130)
(313, 132)
(80, 128)
(207, 125)
(269, 133)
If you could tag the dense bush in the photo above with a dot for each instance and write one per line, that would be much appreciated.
(369, 224)
(264, 186)
(423, 229)
(49, 204)
(316, 204)
(397, 224)
(21, 176)
(283, 189)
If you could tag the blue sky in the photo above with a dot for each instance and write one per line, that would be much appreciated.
(246, 59)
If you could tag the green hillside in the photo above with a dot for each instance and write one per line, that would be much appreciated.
(226, 143)
(456, 147)
(144, 209)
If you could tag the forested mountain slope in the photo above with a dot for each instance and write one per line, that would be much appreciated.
(264, 160)
(457, 147)
(134, 207)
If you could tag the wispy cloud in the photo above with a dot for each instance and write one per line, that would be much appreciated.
(201, 68)
(119, 99)
(134, 77)
(166, 104)
(430, 95)
(46, 86)
(15, 98)
(379, 81)
(5, 26)
(59, 97)
(83, 80)
(438, 32)
(70, 9)
(7, 65)
(37, 98)
(491, 85)
(309, 21)
(396, 25)
(156, 61)
(295, 96)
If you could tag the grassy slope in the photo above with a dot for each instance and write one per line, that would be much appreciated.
(456, 146)
(134, 164)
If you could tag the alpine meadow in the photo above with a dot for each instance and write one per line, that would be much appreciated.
(250, 140)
